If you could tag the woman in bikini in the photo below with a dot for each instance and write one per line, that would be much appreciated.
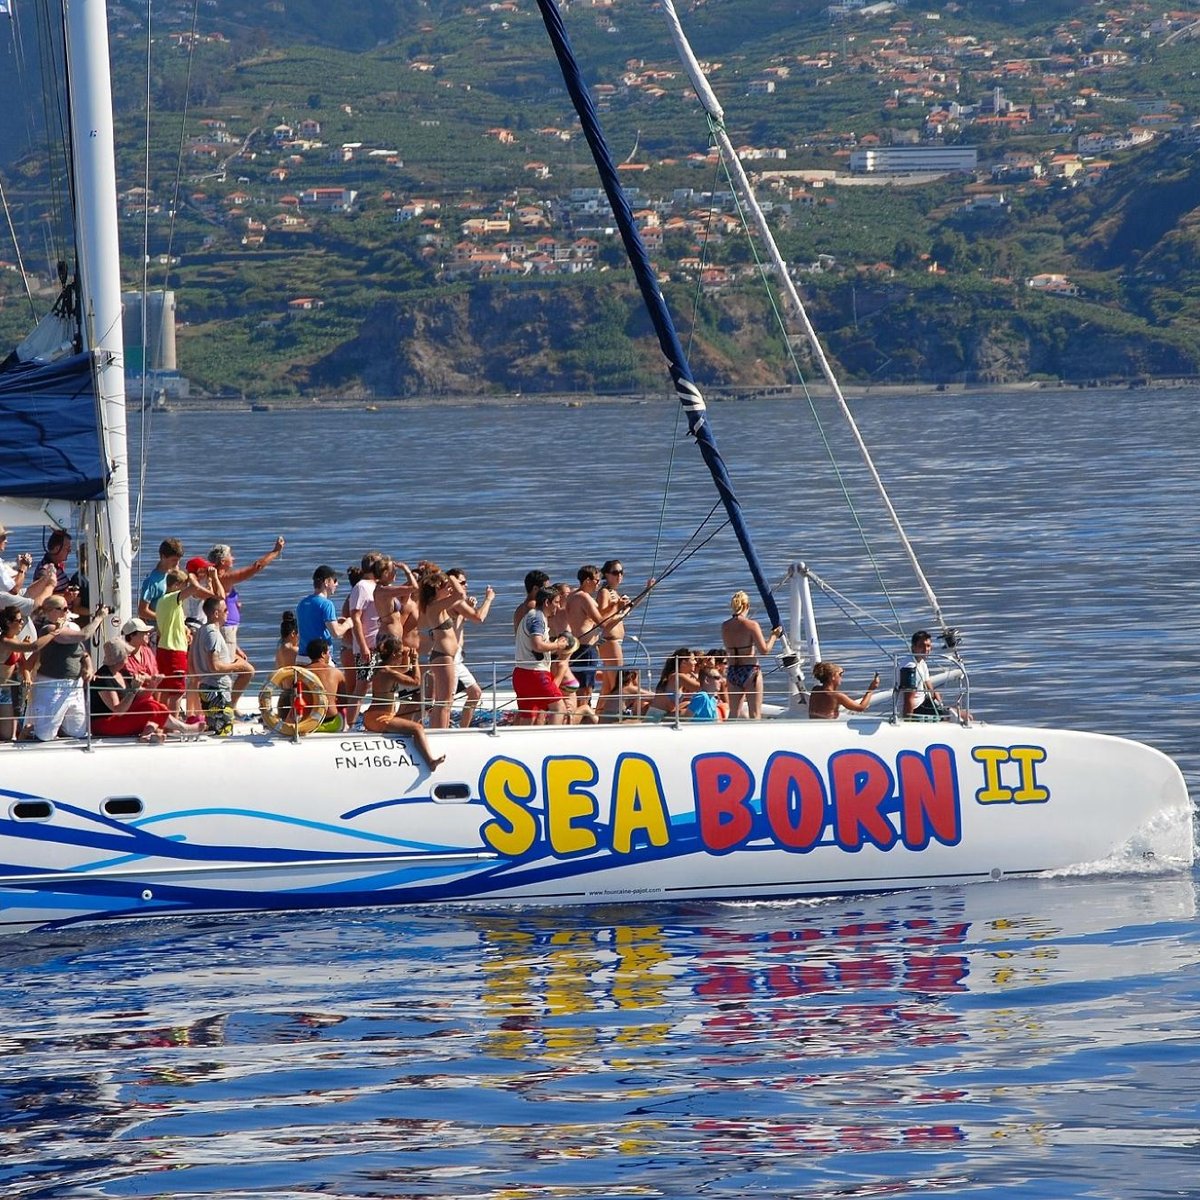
(744, 642)
(679, 679)
(437, 600)
(396, 672)
(825, 702)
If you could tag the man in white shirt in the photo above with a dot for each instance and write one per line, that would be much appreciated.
(538, 696)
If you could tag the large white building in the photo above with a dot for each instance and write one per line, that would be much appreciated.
(905, 160)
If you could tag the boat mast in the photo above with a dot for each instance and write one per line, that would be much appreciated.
(93, 165)
(716, 116)
(668, 339)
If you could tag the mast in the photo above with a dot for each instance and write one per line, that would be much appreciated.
(94, 173)
(716, 116)
(686, 388)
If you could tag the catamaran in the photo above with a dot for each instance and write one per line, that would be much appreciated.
(101, 829)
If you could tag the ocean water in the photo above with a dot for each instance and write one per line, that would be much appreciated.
(1022, 1039)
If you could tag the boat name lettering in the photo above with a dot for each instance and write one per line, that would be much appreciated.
(1010, 775)
(364, 745)
(858, 799)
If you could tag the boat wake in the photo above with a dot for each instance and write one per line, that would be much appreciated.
(1167, 844)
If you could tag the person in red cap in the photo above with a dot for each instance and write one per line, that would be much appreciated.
(206, 585)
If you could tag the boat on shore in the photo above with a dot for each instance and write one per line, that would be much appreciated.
(104, 828)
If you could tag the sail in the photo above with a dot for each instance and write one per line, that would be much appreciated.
(49, 438)
(668, 339)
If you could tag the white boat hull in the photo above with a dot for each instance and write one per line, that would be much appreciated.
(566, 816)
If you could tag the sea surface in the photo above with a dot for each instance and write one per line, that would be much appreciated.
(1019, 1039)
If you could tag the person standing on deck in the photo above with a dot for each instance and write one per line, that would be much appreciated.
(614, 606)
(154, 586)
(538, 696)
(221, 556)
(583, 617)
(744, 642)
(467, 609)
(316, 615)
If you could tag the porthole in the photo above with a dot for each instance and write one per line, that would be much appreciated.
(122, 806)
(451, 793)
(31, 810)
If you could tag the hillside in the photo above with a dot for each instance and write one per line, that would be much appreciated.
(388, 203)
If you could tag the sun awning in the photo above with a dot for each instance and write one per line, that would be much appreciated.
(50, 445)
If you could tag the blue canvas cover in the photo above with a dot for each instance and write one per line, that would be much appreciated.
(49, 440)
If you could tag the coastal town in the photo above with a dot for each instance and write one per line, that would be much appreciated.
(950, 106)
(318, 196)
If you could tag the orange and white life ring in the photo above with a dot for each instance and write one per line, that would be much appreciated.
(306, 700)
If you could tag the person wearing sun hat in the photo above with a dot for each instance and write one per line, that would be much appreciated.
(141, 663)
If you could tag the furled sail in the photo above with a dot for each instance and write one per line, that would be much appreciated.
(668, 339)
(49, 437)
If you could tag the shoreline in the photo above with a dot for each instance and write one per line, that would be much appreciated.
(714, 395)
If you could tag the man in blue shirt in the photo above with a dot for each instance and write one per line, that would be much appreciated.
(316, 615)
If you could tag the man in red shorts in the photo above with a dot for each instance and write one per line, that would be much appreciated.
(538, 697)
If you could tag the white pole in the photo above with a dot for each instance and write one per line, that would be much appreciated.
(812, 643)
(717, 115)
(95, 177)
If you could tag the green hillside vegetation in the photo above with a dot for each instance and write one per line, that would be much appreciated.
(916, 285)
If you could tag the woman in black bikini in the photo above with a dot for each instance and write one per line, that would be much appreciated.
(396, 672)
(744, 642)
(439, 639)
(825, 702)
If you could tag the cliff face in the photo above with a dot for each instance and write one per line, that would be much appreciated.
(595, 337)
(580, 338)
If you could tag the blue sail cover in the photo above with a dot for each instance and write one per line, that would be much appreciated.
(49, 438)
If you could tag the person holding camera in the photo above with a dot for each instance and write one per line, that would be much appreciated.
(13, 575)
(64, 667)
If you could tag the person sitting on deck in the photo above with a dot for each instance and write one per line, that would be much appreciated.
(121, 707)
(335, 691)
(396, 673)
(920, 700)
(288, 645)
(825, 702)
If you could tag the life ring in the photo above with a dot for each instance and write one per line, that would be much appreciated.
(312, 708)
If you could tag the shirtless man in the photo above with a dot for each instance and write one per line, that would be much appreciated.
(583, 616)
(467, 609)
(333, 686)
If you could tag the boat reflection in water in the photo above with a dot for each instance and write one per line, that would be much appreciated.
(787, 1040)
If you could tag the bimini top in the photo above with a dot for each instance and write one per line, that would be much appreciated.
(49, 435)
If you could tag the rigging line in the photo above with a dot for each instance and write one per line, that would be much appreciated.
(856, 614)
(12, 233)
(22, 73)
(54, 117)
(678, 562)
(144, 431)
(839, 475)
(187, 99)
(662, 513)
(709, 100)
